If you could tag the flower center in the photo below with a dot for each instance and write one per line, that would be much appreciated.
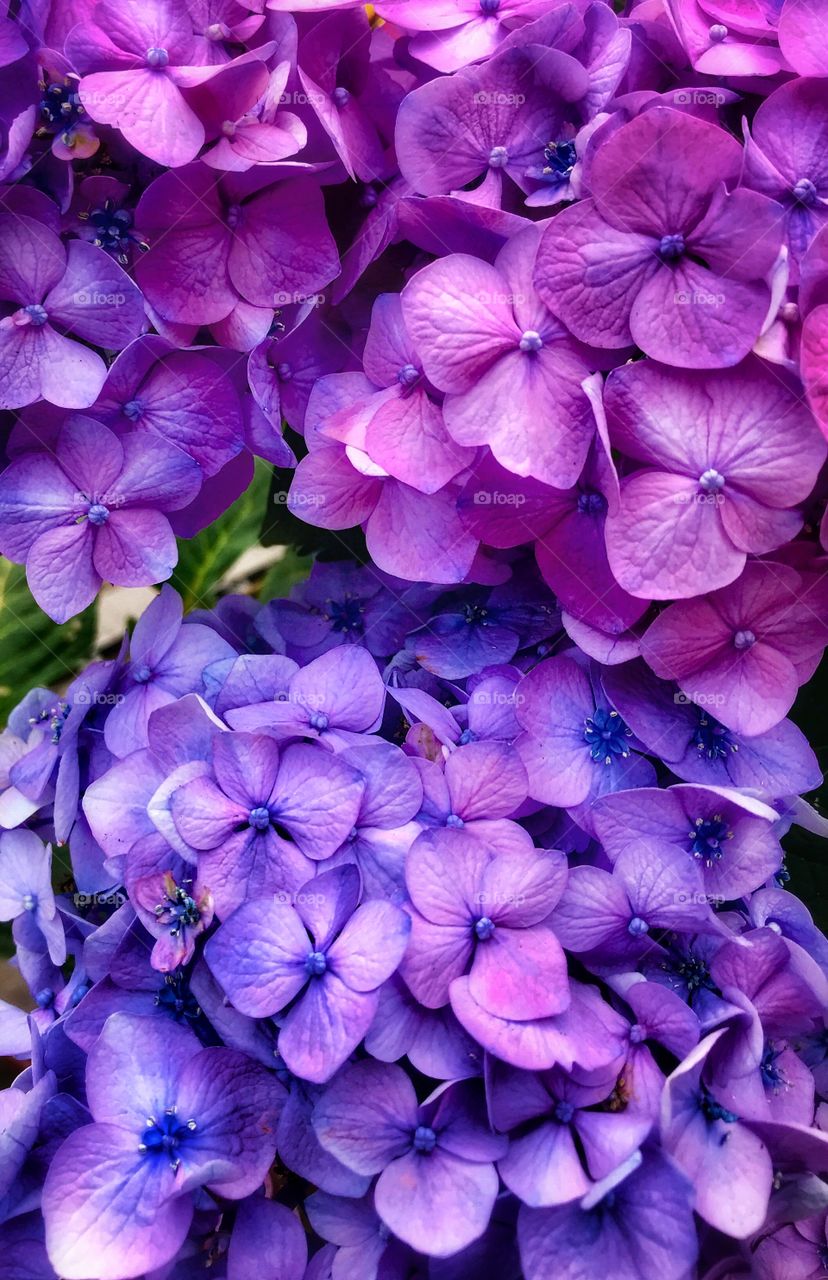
(284, 371)
(637, 1033)
(259, 818)
(671, 247)
(408, 375)
(319, 721)
(713, 1110)
(56, 717)
(29, 902)
(345, 615)
(591, 503)
(563, 1112)
(744, 639)
(638, 927)
(489, 7)
(605, 734)
(37, 314)
(531, 341)
(60, 105)
(142, 674)
(133, 409)
(498, 157)
(157, 58)
(179, 910)
(484, 928)
(315, 964)
(717, 32)
(425, 1139)
(706, 838)
(163, 1137)
(217, 31)
(711, 480)
(112, 228)
(98, 514)
(711, 739)
(454, 820)
(559, 161)
(805, 192)
(341, 97)
(773, 1077)
(233, 216)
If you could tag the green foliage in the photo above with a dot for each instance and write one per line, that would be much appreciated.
(204, 559)
(33, 649)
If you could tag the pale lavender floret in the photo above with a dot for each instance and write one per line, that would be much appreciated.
(166, 660)
(168, 1117)
(623, 267)
(437, 1182)
(326, 950)
(511, 372)
(484, 914)
(335, 698)
(754, 643)
(141, 64)
(26, 886)
(263, 818)
(714, 1150)
(226, 251)
(635, 1225)
(58, 303)
(478, 791)
(562, 1139)
(575, 745)
(95, 512)
(180, 395)
(395, 418)
(730, 837)
(385, 825)
(614, 920)
(728, 457)
(786, 158)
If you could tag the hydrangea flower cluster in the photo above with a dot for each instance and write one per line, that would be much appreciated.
(431, 923)
(444, 966)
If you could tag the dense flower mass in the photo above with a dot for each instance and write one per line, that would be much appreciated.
(433, 922)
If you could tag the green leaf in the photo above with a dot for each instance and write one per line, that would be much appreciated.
(33, 649)
(204, 559)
